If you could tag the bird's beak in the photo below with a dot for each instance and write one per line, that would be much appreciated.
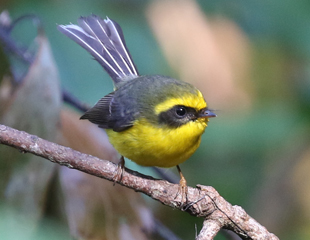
(206, 113)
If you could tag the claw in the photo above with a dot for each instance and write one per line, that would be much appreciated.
(182, 188)
(119, 172)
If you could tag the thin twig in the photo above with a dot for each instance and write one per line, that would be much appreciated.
(203, 201)
(10, 45)
(209, 230)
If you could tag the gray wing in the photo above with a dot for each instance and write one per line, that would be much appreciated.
(110, 114)
(104, 40)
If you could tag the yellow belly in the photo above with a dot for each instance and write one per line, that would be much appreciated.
(149, 145)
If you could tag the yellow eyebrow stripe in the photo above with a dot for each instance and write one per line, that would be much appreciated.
(194, 101)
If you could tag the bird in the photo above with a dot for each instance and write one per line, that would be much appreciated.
(153, 120)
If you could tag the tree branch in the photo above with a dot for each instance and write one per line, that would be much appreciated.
(203, 201)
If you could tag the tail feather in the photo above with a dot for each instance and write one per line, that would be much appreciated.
(118, 39)
(104, 40)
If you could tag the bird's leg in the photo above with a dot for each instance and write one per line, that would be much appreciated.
(182, 187)
(119, 171)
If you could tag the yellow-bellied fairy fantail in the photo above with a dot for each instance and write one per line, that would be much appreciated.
(153, 120)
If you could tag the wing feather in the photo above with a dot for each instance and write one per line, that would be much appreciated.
(109, 114)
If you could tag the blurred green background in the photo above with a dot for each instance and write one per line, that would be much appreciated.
(254, 57)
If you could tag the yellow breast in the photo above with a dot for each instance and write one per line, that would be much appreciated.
(150, 145)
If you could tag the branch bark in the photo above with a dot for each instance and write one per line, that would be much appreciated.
(203, 201)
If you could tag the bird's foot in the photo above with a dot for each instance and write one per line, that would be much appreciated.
(119, 171)
(183, 189)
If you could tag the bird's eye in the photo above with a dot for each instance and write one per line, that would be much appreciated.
(181, 111)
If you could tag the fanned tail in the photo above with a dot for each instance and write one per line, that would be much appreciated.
(104, 40)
